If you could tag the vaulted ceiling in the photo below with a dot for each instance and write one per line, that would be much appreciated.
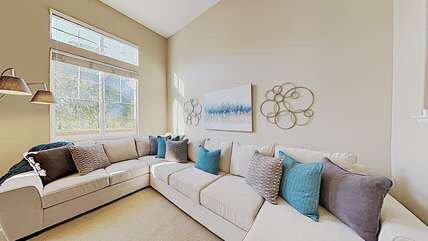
(165, 17)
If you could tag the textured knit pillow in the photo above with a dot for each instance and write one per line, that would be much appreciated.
(162, 146)
(208, 161)
(89, 158)
(153, 145)
(355, 199)
(56, 162)
(264, 176)
(300, 185)
(176, 151)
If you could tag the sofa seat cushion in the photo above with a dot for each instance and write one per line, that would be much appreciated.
(233, 199)
(151, 160)
(191, 181)
(73, 186)
(123, 171)
(282, 220)
(163, 170)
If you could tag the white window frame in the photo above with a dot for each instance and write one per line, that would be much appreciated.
(65, 49)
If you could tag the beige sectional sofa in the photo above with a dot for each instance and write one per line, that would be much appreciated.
(223, 203)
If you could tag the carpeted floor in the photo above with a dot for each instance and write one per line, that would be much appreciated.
(142, 216)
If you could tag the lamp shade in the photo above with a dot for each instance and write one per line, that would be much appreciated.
(43, 97)
(12, 85)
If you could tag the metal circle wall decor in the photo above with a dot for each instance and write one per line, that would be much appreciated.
(192, 112)
(288, 105)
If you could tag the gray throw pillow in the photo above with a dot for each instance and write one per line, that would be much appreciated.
(153, 145)
(353, 198)
(176, 151)
(264, 176)
(89, 158)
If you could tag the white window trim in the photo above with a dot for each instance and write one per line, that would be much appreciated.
(95, 29)
(64, 48)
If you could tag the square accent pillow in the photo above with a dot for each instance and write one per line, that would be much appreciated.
(89, 158)
(264, 176)
(56, 162)
(153, 145)
(300, 185)
(176, 151)
(242, 154)
(354, 198)
(162, 146)
(208, 161)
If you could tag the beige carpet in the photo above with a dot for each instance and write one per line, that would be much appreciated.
(142, 216)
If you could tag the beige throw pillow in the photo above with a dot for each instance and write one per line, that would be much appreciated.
(89, 158)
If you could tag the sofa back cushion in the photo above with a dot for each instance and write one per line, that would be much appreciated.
(143, 146)
(344, 160)
(242, 154)
(193, 147)
(225, 148)
(120, 150)
(56, 162)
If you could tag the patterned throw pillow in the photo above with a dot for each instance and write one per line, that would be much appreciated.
(264, 176)
(301, 184)
(176, 151)
(89, 158)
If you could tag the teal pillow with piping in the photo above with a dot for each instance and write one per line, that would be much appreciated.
(208, 161)
(162, 146)
(300, 185)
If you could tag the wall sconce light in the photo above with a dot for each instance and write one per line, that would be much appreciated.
(12, 85)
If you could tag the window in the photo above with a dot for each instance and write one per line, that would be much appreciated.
(96, 96)
(92, 98)
(76, 34)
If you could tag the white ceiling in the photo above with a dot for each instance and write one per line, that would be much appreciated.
(165, 17)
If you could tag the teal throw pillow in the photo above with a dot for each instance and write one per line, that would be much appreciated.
(300, 185)
(208, 161)
(162, 146)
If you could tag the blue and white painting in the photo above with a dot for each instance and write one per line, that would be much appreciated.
(229, 109)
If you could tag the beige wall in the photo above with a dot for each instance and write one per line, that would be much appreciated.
(409, 153)
(340, 49)
(24, 45)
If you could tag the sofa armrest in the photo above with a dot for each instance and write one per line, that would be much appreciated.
(21, 211)
(398, 222)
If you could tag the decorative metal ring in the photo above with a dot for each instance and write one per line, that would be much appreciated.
(192, 112)
(279, 98)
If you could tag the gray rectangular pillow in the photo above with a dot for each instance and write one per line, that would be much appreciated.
(120, 149)
(176, 151)
(264, 176)
(353, 198)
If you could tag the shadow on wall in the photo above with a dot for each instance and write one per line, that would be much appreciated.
(177, 111)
